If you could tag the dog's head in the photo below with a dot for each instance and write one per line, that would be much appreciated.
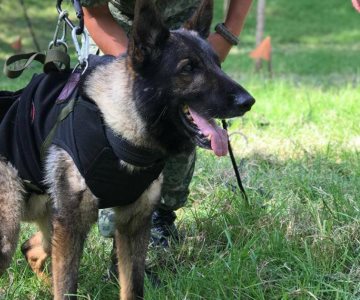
(179, 85)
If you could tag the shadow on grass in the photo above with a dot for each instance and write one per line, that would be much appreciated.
(299, 238)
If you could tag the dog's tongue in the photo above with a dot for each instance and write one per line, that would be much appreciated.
(217, 135)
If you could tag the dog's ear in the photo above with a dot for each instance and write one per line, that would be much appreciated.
(201, 19)
(148, 35)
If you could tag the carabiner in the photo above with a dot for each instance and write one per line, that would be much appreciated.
(62, 41)
(83, 50)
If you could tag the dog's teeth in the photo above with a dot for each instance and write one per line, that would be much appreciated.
(187, 113)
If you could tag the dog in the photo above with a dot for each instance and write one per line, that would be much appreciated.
(158, 101)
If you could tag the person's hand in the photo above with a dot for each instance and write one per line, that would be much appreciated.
(356, 4)
(220, 45)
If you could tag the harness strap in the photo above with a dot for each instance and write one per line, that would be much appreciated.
(53, 60)
(12, 68)
(56, 60)
(140, 157)
(62, 116)
(29, 186)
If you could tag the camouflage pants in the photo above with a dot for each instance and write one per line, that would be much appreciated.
(173, 12)
(177, 173)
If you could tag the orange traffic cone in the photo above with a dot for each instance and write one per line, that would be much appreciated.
(263, 51)
(17, 45)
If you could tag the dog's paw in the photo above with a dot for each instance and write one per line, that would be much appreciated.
(36, 256)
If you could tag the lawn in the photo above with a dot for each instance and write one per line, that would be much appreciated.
(298, 154)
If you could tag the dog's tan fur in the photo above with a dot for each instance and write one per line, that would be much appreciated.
(11, 210)
(98, 88)
(65, 215)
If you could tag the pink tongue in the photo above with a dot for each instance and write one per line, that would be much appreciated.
(218, 136)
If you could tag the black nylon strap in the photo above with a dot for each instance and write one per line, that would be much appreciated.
(131, 154)
(237, 174)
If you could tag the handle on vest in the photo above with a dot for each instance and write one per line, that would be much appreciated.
(53, 60)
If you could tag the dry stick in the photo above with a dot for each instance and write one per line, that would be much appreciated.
(29, 24)
(270, 67)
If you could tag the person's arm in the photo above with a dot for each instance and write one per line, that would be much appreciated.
(104, 30)
(234, 22)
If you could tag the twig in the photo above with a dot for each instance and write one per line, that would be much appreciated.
(29, 24)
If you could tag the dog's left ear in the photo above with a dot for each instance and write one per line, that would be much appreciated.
(201, 19)
(148, 35)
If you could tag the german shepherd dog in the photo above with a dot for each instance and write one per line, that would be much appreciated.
(163, 96)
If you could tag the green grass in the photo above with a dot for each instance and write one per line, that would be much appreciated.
(298, 152)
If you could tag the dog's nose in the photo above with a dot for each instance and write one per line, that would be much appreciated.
(245, 101)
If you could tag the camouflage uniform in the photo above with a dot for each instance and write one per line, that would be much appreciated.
(173, 12)
(178, 170)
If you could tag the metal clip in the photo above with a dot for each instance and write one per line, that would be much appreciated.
(56, 42)
(83, 50)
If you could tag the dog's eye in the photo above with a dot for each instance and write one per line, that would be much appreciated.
(185, 66)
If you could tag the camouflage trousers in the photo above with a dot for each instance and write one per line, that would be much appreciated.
(177, 173)
(173, 12)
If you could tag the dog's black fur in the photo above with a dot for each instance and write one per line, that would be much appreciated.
(164, 73)
(180, 68)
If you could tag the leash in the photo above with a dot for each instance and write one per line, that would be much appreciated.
(52, 60)
(237, 174)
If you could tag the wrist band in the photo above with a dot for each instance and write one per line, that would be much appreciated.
(226, 34)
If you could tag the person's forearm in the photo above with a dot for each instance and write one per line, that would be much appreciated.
(235, 18)
(234, 21)
(104, 30)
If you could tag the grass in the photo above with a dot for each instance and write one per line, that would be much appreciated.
(298, 152)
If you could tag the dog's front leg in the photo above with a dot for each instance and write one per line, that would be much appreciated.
(74, 210)
(131, 244)
(66, 252)
(70, 227)
(132, 239)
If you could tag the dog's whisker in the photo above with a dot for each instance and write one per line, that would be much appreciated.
(160, 116)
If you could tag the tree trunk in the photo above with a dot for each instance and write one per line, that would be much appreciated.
(260, 25)
(29, 24)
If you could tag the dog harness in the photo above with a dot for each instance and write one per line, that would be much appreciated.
(39, 118)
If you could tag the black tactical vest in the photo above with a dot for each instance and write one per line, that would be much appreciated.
(38, 117)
